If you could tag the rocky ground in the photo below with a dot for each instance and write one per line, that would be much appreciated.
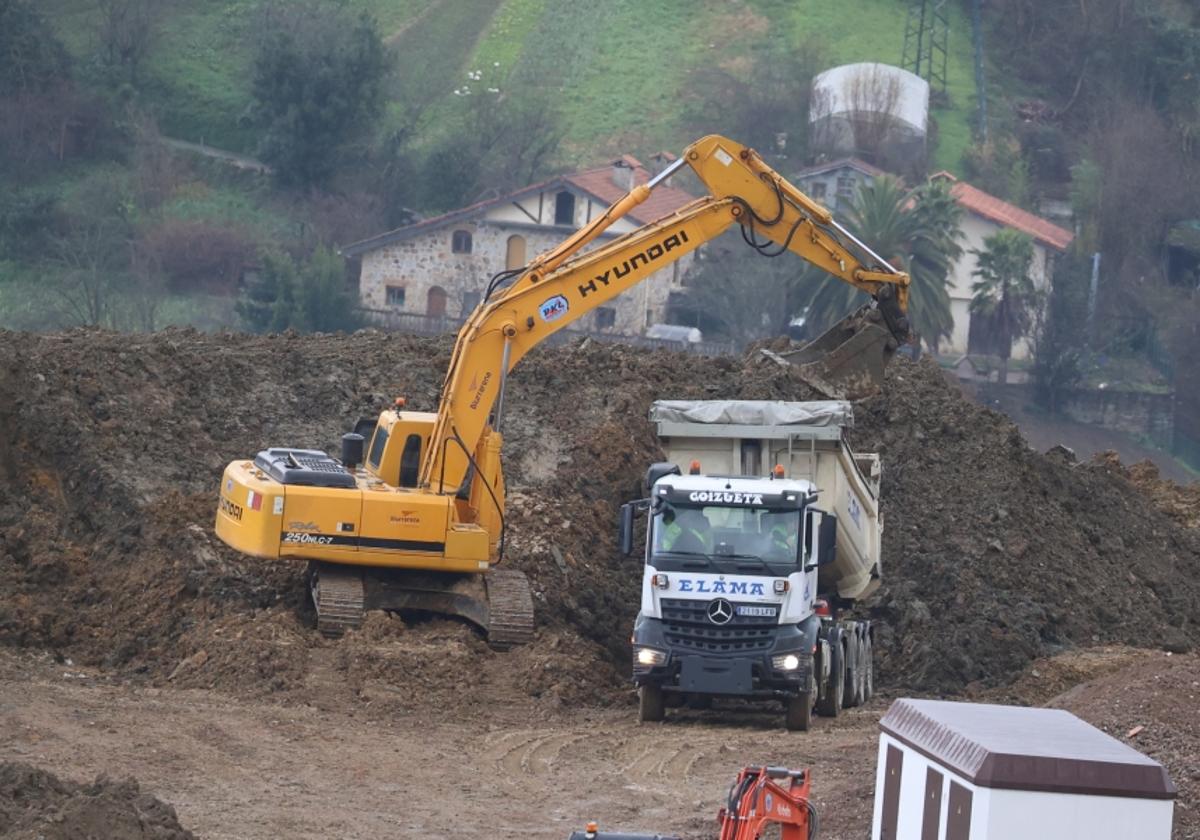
(995, 556)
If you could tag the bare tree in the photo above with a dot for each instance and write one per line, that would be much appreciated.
(872, 96)
(90, 253)
(126, 32)
(88, 278)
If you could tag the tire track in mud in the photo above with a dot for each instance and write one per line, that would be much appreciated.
(632, 753)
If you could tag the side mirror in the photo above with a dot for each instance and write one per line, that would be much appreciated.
(821, 528)
(625, 528)
(827, 540)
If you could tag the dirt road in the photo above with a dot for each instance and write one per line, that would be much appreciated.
(234, 769)
(336, 767)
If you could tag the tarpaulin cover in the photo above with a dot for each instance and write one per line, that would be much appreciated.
(753, 412)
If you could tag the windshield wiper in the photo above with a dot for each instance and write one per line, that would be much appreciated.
(743, 557)
(703, 563)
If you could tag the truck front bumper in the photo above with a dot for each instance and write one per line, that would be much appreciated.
(752, 675)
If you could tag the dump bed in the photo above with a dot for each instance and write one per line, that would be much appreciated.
(749, 437)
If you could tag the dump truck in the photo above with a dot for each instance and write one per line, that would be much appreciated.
(763, 534)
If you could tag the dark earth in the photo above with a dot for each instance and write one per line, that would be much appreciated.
(111, 446)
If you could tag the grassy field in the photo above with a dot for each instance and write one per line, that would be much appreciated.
(619, 68)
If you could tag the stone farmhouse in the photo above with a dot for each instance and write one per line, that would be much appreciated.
(439, 267)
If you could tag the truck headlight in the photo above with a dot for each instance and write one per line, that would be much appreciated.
(786, 662)
(649, 657)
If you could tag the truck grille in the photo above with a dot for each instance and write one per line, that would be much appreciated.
(686, 626)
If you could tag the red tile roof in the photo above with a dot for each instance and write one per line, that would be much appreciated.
(597, 183)
(1002, 213)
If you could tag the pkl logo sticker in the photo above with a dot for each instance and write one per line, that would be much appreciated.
(553, 309)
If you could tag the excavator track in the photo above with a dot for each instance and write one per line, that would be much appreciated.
(337, 593)
(510, 609)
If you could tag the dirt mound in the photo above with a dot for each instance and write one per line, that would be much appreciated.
(997, 555)
(37, 804)
(1181, 502)
(111, 447)
(1151, 706)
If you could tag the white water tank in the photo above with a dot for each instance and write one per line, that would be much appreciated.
(968, 771)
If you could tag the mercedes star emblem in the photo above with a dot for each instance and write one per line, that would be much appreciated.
(719, 611)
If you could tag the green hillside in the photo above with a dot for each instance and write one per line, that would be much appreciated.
(618, 68)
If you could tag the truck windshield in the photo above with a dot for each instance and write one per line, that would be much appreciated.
(725, 539)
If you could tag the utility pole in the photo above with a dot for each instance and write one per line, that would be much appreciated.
(980, 84)
(926, 32)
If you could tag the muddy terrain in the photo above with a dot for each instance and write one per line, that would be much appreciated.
(994, 557)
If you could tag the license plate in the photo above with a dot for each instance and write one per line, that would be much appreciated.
(756, 612)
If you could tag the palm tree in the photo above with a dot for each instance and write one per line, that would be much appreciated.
(914, 230)
(1004, 294)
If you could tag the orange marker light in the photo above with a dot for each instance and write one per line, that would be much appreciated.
(400, 402)
(779, 470)
(694, 469)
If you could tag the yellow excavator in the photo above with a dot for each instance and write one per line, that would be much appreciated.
(412, 515)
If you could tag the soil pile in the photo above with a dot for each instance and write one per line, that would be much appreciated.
(1181, 502)
(34, 803)
(1151, 706)
(996, 554)
(112, 446)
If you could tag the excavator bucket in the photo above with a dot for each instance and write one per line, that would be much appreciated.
(848, 361)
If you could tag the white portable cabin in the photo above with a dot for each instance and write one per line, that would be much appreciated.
(749, 437)
(968, 771)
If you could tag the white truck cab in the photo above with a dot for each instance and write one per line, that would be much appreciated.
(741, 585)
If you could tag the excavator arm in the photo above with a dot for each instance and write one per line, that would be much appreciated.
(562, 285)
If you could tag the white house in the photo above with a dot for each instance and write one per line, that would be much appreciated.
(439, 267)
(985, 215)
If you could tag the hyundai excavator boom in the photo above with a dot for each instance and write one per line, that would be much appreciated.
(412, 516)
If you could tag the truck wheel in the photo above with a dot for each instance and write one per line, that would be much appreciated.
(798, 712)
(830, 702)
(869, 668)
(852, 693)
(651, 708)
(860, 676)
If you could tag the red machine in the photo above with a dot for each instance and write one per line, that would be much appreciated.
(760, 796)
(766, 795)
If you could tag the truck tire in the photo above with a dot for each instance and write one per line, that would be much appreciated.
(860, 676)
(651, 706)
(869, 668)
(853, 690)
(798, 712)
(830, 702)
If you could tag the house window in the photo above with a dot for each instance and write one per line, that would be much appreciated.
(564, 208)
(515, 255)
(845, 186)
(470, 301)
(460, 242)
(395, 296)
(606, 318)
(818, 189)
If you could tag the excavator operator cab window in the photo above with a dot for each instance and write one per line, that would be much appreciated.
(410, 461)
(378, 442)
